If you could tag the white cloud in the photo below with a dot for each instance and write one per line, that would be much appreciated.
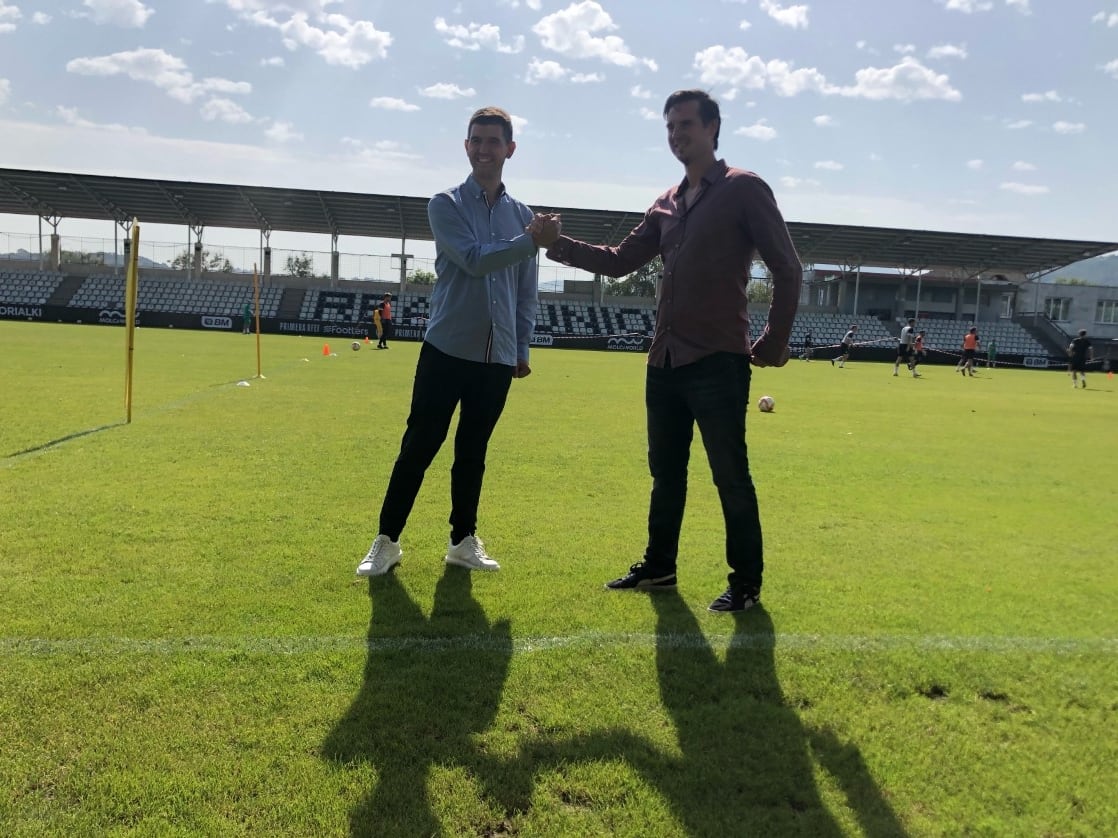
(282, 132)
(638, 92)
(570, 32)
(824, 120)
(649, 114)
(793, 16)
(908, 81)
(379, 152)
(759, 130)
(274, 61)
(5, 90)
(1062, 127)
(41, 18)
(1020, 5)
(736, 69)
(225, 86)
(155, 66)
(8, 16)
(1023, 188)
(904, 49)
(391, 103)
(1047, 96)
(975, 165)
(475, 36)
(587, 78)
(968, 6)
(1111, 68)
(947, 51)
(829, 165)
(225, 110)
(71, 117)
(744, 25)
(131, 14)
(442, 90)
(1110, 20)
(1019, 124)
(545, 71)
(344, 42)
(1022, 166)
(796, 182)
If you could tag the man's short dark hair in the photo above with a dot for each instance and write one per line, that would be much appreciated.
(491, 116)
(708, 108)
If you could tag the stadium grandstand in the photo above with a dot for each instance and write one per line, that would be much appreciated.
(881, 276)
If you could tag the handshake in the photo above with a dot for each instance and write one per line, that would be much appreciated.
(545, 229)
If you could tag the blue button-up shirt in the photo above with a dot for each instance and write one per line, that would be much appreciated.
(483, 307)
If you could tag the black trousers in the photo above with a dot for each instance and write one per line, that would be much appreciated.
(711, 393)
(443, 383)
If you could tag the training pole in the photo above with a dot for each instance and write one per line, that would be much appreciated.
(256, 307)
(131, 283)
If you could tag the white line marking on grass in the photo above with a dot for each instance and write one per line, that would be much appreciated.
(42, 647)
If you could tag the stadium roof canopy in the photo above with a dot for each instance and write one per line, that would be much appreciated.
(209, 205)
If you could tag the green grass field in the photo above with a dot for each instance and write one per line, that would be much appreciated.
(184, 649)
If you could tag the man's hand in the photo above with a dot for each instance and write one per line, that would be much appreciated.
(765, 353)
(522, 370)
(545, 229)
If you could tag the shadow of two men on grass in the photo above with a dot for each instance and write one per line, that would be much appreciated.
(744, 764)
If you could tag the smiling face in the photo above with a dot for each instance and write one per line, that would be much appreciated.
(487, 150)
(689, 139)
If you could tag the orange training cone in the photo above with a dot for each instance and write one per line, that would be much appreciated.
(1110, 374)
(325, 349)
(366, 340)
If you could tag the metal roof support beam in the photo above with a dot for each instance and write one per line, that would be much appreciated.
(119, 215)
(39, 207)
(329, 216)
(400, 218)
(264, 223)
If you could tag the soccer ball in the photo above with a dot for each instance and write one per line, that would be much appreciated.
(765, 404)
(355, 345)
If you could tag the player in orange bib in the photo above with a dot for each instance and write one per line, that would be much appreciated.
(970, 347)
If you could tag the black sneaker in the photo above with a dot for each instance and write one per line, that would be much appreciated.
(641, 577)
(734, 600)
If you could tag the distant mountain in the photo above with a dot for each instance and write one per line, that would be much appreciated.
(107, 259)
(1102, 270)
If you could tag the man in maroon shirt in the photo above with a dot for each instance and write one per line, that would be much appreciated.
(707, 230)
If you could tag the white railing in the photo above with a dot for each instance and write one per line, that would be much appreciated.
(351, 266)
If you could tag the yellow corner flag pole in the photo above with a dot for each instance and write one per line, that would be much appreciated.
(130, 296)
(256, 307)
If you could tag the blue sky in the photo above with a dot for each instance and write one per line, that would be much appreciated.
(984, 116)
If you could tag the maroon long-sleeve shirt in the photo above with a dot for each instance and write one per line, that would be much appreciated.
(707, 250)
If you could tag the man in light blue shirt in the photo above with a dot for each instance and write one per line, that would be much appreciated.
(482, 315)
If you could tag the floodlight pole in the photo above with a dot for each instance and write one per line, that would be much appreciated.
(857, 283)
(403, 256)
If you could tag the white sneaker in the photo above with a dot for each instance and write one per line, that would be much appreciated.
(470, 553)
(381, 557)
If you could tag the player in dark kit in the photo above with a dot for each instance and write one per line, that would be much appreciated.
(1080, 353)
